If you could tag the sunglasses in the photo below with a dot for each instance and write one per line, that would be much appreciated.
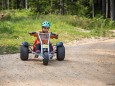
(45, 27)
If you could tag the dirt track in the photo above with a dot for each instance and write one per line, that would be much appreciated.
(90, 64)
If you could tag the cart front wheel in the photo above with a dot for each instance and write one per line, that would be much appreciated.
(60, 53)
(24, 53)
(46, 58)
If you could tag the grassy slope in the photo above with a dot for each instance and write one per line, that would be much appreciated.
(15, 26)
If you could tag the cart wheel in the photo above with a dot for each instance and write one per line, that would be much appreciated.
(24, 53)
(46, 58)
(60, 53)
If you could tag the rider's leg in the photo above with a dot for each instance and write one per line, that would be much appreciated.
(51, 49)
(38, 48)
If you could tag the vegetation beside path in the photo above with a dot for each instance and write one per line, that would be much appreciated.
(16, 25)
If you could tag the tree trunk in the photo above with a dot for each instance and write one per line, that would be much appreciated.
(23, 4)
(26, 1)
(93, 9)
(112, 4)
(2, 4)
(107, 8)
(62, 7)
(18, 2)
(104, 8)
(8, 4)
(100, 5)
(51, 3)
(5, 4)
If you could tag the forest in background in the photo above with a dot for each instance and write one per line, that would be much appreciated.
(88, 8)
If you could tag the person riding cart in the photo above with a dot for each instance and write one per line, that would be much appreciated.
(45, 29)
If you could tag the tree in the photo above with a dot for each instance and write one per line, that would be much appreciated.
(90, 8)
(17, 4)
(107, 8)
(62, 7)
(93, 9)
(2, 4)
(112, 4)
(8, 4)
(104, 8)
(26, 1)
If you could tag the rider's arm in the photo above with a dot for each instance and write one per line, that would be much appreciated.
(35, 34)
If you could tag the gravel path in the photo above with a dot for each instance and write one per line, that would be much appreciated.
(87, 63)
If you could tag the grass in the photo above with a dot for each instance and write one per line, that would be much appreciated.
(16, 25)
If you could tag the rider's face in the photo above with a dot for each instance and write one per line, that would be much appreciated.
(45, 29)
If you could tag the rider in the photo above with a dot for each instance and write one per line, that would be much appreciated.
(45, 29)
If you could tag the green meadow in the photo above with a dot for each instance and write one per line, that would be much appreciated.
(16, 25)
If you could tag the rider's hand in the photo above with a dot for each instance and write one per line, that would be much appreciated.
(56, 36)
(32, 33)
(53, 33)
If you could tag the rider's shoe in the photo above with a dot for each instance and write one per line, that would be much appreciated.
(37, 54)
(52, 52)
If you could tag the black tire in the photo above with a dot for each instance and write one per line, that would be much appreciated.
(24, 53)
(46, 58)
(60, 53)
